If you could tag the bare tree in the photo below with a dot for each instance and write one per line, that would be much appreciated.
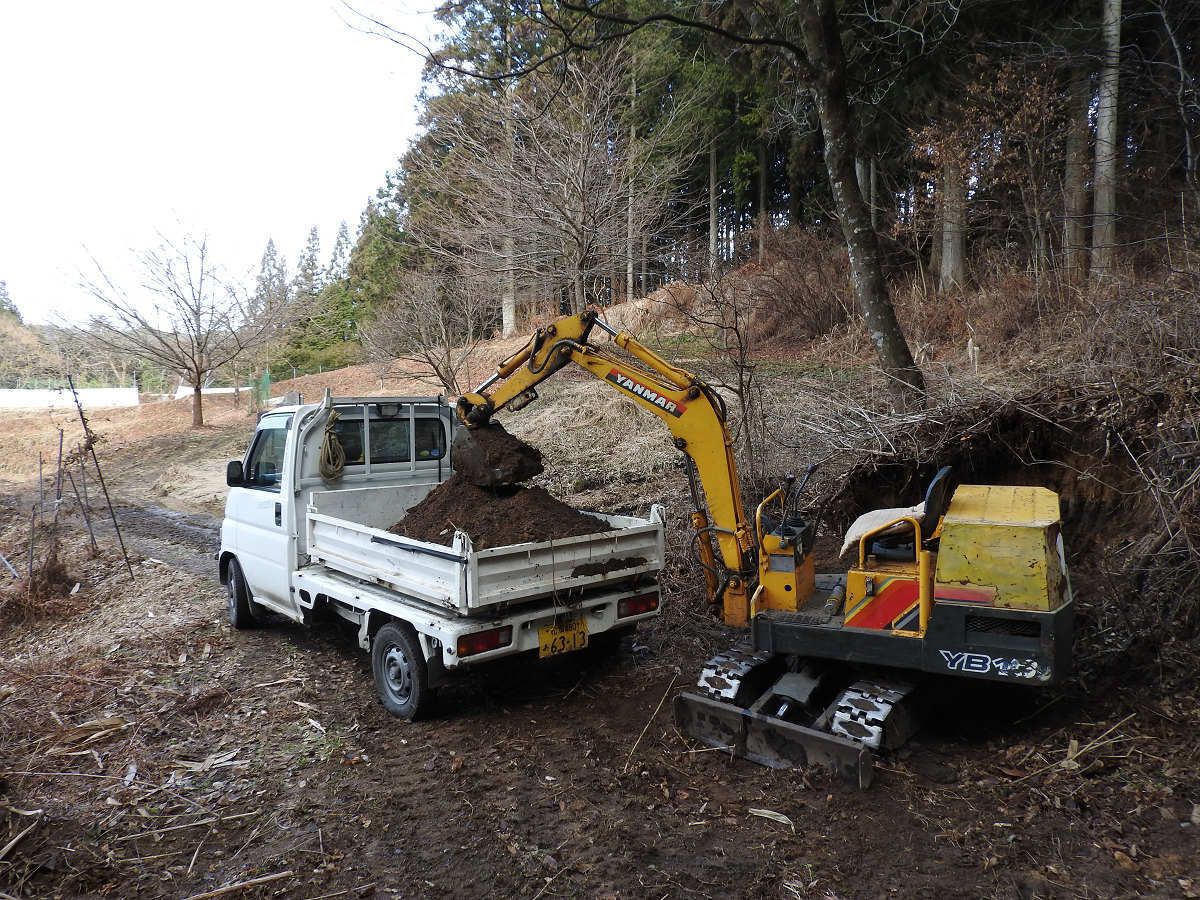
(542, 186)
(192, 320)
(436, 321)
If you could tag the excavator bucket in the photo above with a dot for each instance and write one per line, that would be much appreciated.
(771, 741)
(489, 457)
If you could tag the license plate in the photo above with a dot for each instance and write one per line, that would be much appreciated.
(562, 638)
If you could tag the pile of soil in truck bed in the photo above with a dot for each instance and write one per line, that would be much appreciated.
(493, 518)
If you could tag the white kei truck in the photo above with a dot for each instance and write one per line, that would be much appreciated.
(305, 547)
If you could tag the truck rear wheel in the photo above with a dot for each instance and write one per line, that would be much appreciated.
(401, 673)
(241, 608)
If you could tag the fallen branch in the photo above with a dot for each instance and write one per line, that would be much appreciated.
(7, 847)
(130, 837)
(648, 721)
(229, 888)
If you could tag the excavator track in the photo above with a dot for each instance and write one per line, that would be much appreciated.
(869, 712)
(729, 712)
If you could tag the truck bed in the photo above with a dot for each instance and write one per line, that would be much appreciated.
(346, 532)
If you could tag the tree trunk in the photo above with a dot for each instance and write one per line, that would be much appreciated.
(953, 269)
(508, 300)
(762, 201)
(1075, 195)
(1104, 215)
(712, 206)
(197, 410)
(874, 196)
(794, 167)
(644, 257)
(823, 44)
(629, 235)
(1182, 105)
(935, 237)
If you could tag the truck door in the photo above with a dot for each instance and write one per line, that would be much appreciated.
(263, 541)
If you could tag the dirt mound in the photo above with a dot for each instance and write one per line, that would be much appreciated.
(512, 515)
(489, 457)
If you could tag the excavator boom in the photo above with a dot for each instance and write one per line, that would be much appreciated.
(691, 410)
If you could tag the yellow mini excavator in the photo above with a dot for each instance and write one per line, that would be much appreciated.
(975, 585)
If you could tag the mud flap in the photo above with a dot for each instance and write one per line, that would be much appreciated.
(770, 741)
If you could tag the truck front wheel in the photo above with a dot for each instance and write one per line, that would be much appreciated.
(401, 673)
(241, 608)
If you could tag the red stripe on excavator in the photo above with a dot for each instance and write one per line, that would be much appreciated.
(964, 594)
(896, 595)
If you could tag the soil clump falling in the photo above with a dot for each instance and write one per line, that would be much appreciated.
(490, 457)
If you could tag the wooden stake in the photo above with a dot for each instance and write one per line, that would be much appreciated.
(58, 477)
(32, 522)
(83, 475)
(91, 445)
(83, 506)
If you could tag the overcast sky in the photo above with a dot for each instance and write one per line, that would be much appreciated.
(239, 119)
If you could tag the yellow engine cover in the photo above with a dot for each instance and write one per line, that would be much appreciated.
(1005, 541)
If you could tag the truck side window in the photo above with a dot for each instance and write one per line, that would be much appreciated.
(350, 436)
(265, 460)
(390, 444)
(431, 440)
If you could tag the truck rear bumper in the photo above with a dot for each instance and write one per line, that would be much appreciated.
(600, 614)
(369, 605)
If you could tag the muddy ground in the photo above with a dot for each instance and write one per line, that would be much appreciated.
(148, 750)
(151, 751)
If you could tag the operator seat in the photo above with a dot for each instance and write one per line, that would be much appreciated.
(897, 544)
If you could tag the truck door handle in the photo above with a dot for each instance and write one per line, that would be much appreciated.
(278, 514)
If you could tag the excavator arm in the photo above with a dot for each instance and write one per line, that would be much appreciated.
(691, 410)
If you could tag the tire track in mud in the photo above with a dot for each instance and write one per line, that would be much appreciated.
(187, 541)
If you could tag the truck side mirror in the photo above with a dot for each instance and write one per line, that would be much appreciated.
(234, 477)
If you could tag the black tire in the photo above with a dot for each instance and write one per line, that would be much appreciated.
(400, 671)
(241, 607)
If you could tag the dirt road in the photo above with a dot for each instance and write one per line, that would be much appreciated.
(175, 756)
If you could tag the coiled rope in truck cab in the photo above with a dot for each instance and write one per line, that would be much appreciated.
(333, 457)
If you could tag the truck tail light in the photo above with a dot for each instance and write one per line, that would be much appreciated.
(635, 606)
(482, 641)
